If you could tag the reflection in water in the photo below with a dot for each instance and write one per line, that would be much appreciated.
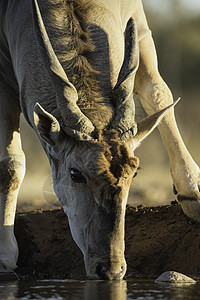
(62, 289)
(151, 290)
(8, 291)
(97, 290)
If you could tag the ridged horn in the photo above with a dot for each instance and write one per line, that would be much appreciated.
(76, 124)
(123, 91)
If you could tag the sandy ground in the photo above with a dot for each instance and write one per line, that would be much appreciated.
(157, 240)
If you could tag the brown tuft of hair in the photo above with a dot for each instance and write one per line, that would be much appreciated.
(115, 159)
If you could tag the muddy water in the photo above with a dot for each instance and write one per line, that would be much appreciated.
(97, 290)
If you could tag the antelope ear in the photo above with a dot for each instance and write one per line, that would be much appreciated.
(48, 128)
(147, 125)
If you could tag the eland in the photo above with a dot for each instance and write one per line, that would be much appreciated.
(72, 68)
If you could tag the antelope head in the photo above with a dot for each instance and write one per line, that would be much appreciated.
(93, 170)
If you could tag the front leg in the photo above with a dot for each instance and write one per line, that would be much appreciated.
(12, 168)
(155, 95)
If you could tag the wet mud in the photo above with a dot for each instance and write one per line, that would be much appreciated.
(157, 240)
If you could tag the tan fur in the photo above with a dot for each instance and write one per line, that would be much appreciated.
(115, 159)
(9, 180)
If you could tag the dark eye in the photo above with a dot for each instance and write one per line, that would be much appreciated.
(76, 176)
(136, 172)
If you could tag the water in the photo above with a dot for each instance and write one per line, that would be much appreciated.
(97, 290)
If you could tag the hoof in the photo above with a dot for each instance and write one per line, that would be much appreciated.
(192, 209)
(8, 276)
(174, 277)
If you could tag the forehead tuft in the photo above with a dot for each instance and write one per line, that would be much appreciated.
(111, 158)
(118, 155)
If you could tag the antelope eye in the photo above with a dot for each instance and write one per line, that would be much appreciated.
(76, 176)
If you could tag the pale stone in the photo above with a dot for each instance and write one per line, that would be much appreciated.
(174, 277)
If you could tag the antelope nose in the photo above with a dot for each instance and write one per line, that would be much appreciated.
(105, 273)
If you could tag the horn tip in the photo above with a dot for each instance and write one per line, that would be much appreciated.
(179, 98)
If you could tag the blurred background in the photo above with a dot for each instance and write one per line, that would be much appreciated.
(175, 25)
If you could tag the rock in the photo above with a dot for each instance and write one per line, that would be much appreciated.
(174, 277)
